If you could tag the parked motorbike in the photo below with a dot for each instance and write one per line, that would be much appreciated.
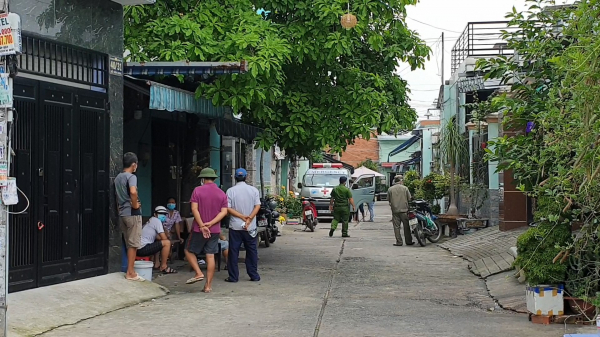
(309, 214)
(422, 223)
(265, 221)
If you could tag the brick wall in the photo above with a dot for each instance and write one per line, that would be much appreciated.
(361, 150)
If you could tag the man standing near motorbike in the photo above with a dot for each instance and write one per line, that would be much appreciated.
(398, 197)
(341, 199)
(243, 205)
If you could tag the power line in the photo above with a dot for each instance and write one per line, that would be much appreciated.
(426, 24)
(422, 103)
(437, 38)
(437, 54)
(426, 84)
(401, 71)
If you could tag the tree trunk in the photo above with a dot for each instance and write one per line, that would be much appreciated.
(452, 209)
(262, 174)
(292, 174)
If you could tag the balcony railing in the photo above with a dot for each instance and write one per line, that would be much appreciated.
(480, 40)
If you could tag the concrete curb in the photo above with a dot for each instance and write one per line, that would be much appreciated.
(507, 288)
(491, 254)
(34, 312)
(513, 251)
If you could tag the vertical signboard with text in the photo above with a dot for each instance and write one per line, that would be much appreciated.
(7, 41)
(10, 44)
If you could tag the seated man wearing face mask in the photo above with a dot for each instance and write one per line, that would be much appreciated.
(155, 240)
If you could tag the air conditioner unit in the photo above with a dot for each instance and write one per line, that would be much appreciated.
(135, 2)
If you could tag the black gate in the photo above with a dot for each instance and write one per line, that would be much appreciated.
(61, 144)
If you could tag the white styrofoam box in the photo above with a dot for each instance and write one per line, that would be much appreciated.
(545, 300)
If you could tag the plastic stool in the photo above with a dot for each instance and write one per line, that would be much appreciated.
(142, 258)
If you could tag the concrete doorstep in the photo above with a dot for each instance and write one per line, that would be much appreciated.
(33, 312)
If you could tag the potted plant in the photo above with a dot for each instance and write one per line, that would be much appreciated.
(288, 205)
(433, 188)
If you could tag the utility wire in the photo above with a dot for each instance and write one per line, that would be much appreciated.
(426, 24)
(421, 101)
(438, 38)
(401, 71)
(437, 54)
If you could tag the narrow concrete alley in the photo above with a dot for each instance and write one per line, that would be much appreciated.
(313, 285)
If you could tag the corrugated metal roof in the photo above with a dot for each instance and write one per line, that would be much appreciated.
(183, 68)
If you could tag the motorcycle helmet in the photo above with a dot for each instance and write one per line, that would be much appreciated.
(275, 215)
(272, 205)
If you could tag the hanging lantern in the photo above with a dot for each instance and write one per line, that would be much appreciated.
(348, 21)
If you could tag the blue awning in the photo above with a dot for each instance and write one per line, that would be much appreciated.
(404, 146)
(167, 98)
(409, 162)
(164, 97)
(183, 68)
(412, 161)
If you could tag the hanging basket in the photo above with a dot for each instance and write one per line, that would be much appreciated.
(348, 21)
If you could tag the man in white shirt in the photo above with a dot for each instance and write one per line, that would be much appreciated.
(243, 203)
(155, 240)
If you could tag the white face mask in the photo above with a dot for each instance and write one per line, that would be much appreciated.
(201, 181)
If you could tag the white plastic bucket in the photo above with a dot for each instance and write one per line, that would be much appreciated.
(144, 269)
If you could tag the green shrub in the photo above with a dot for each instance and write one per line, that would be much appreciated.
(412, 180)
(583, 279)
(537, 247)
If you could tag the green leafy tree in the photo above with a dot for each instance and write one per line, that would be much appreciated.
(553, 106)
(370, 164)
(311, 83)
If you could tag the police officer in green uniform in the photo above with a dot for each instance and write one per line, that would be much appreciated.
(341, 199)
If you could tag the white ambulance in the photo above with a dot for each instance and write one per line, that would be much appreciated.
(319, 181)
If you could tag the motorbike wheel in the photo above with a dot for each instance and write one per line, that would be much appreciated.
(272, 238)
(310, 224)
(267, 237)
(259, 239)
(436, 234)
(420, 236)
